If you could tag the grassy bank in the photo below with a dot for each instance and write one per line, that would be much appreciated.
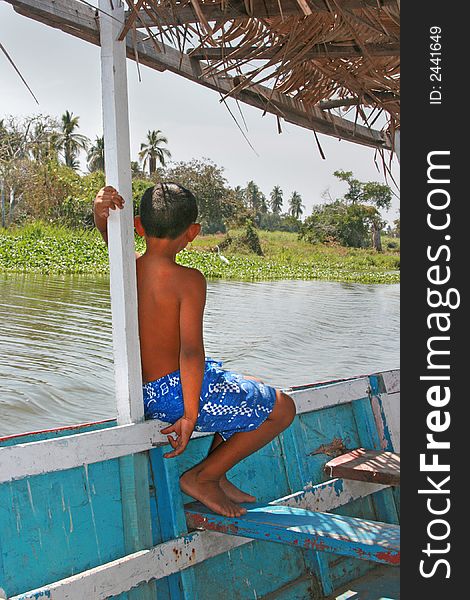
(39, 248)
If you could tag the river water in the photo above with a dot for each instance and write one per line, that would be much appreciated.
(56, 363)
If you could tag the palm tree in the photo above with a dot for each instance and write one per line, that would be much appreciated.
(239, 193)
(45, 141)
(152, 150)
(276, 200)
(95, 155)
(71, 142)
(135, 169)
(296, 208)
(255, 198)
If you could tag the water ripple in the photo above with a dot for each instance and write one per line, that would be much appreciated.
(56, 363)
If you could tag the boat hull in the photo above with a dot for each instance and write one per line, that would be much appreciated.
(65, 533)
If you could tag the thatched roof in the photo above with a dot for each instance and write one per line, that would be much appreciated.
(322, 53)
(331, 66)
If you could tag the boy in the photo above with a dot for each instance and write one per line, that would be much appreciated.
(180, 386)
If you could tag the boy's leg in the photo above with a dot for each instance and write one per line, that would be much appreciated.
(232, 491)
(202, 481)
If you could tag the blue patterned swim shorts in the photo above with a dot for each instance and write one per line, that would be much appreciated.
(228, 403)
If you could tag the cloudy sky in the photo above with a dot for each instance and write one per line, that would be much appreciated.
(64, 73)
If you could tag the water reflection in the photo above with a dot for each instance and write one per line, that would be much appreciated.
(56, 350)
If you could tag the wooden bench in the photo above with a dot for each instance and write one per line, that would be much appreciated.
(371, 466)
(325, 532)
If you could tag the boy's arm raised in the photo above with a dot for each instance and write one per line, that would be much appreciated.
(192, 359)
(106, 199)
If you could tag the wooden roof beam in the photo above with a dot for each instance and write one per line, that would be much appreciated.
(343, 102)
(318, 52)
(74, 18)
(236, 9)
(81, 21)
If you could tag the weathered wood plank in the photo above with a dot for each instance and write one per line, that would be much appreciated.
(237, 9)
(329, 495)
(391, 409)
(385, 400)
(311, 398)
(60, 524)
(365, 424)
(115, 577)
(326, 433)
(372, 466)
(346, 536)
(391, 381)
(317, 52)
(57, 454)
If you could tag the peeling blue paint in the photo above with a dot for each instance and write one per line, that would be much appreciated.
(375, 390)
(387, 434)
(338, 486)
(36, 595)
(374, 385)
(327, 532)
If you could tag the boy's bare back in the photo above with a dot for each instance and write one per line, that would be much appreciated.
(171, 302)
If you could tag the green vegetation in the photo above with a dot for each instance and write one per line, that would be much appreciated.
(353, 219)
(50, 249)
(47, 220)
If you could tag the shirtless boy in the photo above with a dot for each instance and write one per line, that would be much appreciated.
(181, 386)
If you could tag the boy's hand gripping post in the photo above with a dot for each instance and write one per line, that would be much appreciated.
(106, 199)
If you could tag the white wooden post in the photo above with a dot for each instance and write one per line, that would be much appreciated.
(120, 223)
(128, 379)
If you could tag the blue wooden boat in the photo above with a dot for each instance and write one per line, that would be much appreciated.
(69, 517)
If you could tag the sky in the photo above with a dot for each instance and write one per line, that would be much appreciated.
(64, 74)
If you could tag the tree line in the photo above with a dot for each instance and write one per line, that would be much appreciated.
(40, 178)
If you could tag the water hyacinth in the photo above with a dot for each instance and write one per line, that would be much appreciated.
(40, 248)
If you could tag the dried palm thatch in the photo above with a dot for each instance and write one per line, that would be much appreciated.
(323, 53)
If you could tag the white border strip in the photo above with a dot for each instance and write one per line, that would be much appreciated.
(122, 574)
(57, 454)
(67, 452)
(70, 451)
(316, 398)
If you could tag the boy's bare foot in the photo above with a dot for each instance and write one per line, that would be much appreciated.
(210, 494)
(233, 492)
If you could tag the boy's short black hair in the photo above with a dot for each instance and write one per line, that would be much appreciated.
(167, 209)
